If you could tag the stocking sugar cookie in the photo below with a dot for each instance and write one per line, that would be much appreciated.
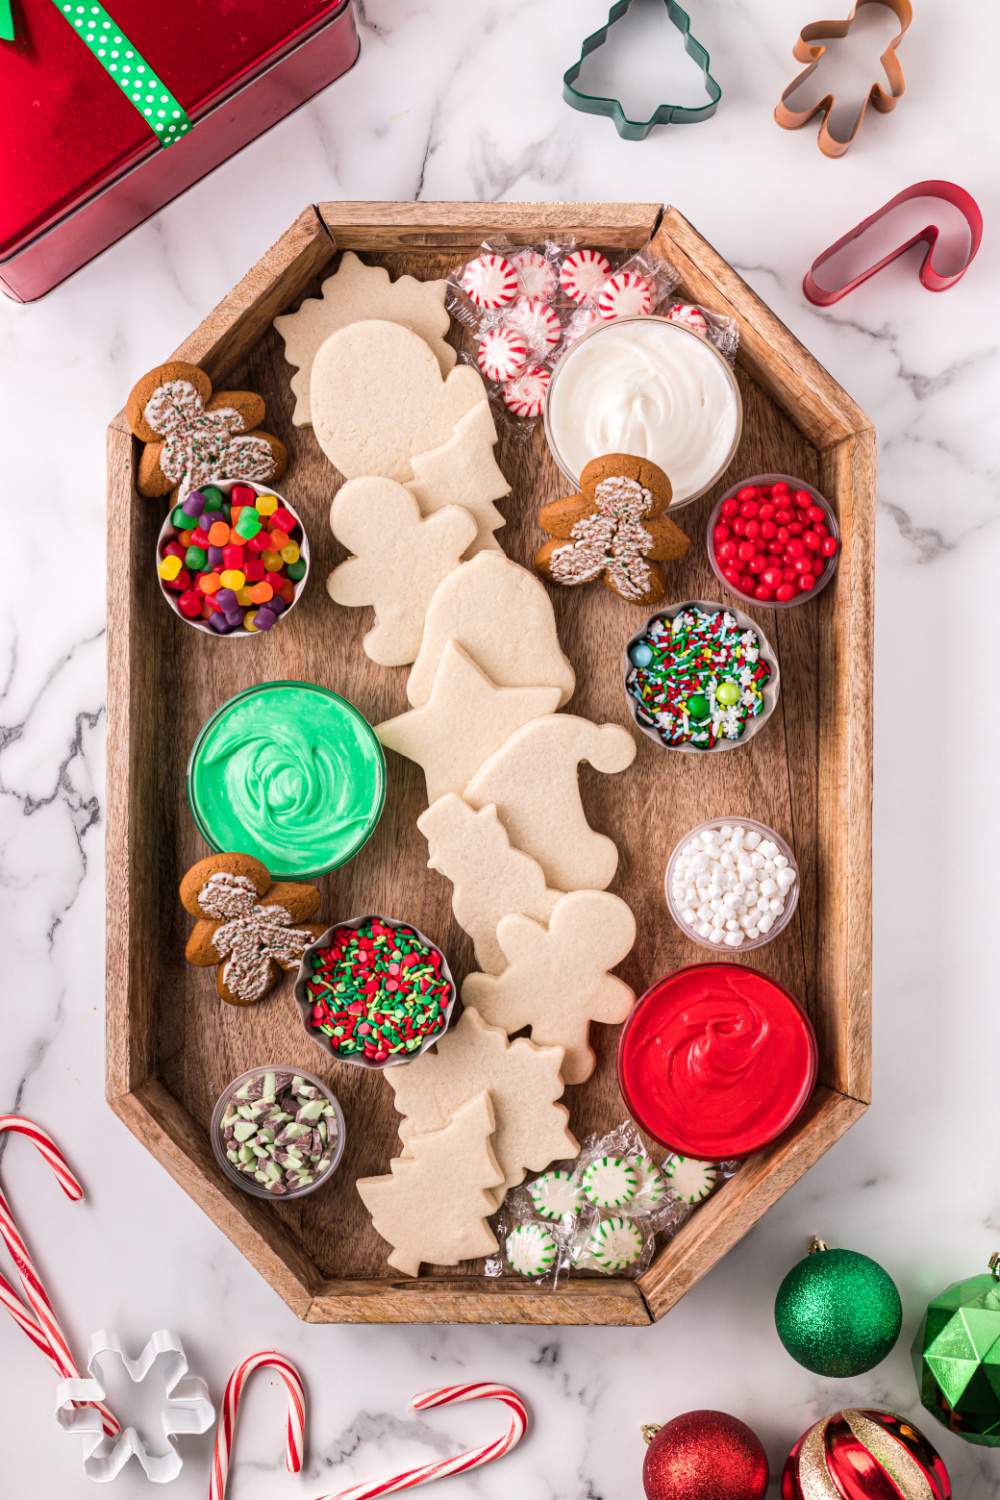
(249, 928)
(357, 293)
(524, 1085)
(191, 436)
(400, 558)
(501, 615)
(490, 878)
(556, 981)
(464, 471)
(377, 397)
(533, 782)
(433, 1205)
(465, 719)
(613, 530)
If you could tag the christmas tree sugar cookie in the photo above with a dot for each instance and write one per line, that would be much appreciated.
(501, 615)
(464, 471)
(400, 558)
(556, 977)
(465, 719)
(532, 781)
(523, 1082)
(433, 1204)
(491, 878)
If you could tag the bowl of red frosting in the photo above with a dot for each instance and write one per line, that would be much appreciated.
(716, 1061)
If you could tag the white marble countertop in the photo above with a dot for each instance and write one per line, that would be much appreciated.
(452, 100)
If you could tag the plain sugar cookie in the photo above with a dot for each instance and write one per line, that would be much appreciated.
(502, 616)
(557, 980)
(464, 720)
(358, 293)
(490, 878)
(400, 558)
(464, 471)
(532, 781)
(524, 1084)
(377, 397)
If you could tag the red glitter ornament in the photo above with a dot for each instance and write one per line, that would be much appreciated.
(864, 1455)
(704, 1455)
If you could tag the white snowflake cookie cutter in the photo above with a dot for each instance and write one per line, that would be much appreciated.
(187, 1409)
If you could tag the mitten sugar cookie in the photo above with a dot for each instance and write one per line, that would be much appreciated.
(556, 980)
(191, 436)
(400, 559)
(532, 781)
(523, 1081)
(490, 878)
(433, 1205)
(614, 529)
(464, 720)
(377, 397)
(464, 471)
(502, 616)
(356, 293)
(248, 927)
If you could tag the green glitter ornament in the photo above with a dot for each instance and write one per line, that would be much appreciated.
(837, 1312)
(956, 1355)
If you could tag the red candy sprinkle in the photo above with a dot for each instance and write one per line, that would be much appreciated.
(773, 543)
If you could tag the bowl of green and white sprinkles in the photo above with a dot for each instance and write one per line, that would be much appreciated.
(278, 1132)
(700, 677)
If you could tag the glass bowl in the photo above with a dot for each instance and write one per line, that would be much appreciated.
(676, 330)
(746, 945)
(168, 532)
(766, 650)
(793, 484)
(257, 1189)
(305, 1004)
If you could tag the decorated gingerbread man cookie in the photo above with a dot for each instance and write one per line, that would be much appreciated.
(614, 529)
(192, 437)
(248, 927)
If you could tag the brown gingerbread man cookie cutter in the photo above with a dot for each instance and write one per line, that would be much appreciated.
(810, 49)
(614, 530)
(193, 436)
(249, 927)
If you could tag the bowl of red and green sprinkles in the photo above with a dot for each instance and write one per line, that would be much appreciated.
(374, 991)
(700, 677)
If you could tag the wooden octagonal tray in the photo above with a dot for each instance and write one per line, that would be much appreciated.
(171, 1046)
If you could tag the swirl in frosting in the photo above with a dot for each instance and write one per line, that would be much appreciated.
(289, 773)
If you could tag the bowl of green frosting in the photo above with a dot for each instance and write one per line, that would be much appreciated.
(288, 772)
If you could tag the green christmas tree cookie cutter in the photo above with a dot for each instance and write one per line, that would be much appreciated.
(664, 114)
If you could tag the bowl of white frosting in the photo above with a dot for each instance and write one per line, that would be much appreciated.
(650, 388)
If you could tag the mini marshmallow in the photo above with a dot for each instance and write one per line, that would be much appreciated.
(731, 884)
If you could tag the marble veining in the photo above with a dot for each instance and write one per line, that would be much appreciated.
(452, 100)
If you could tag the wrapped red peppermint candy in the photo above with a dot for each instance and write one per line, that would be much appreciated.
(537, 323)
(536, 276)
(582, 272)
(627, 294)
(688, 316)
(525, 394)
(502, 353)
(490, 281)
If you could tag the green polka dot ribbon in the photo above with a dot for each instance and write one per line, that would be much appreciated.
(124, 65)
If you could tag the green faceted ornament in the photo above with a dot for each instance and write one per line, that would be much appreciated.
(837, 1312)
(956, 1355)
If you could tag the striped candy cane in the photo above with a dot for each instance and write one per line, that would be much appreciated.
(35, 1316)
(474, 1458)
(295, 1431)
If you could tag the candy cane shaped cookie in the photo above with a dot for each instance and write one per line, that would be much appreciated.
(295, 1431)
(474, 1458)
(35, 1316)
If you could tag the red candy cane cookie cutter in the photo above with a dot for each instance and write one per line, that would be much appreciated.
(930, 277)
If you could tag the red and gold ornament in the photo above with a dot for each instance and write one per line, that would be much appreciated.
(704, 1455)
(860, 1454)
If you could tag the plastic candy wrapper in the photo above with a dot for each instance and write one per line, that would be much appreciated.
(521, 306)
(601, 1213)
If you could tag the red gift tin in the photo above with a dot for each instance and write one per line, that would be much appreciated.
(81, 166)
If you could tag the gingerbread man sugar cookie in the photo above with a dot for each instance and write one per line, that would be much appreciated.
(613, 530)
(249, 927)
(192, 436)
